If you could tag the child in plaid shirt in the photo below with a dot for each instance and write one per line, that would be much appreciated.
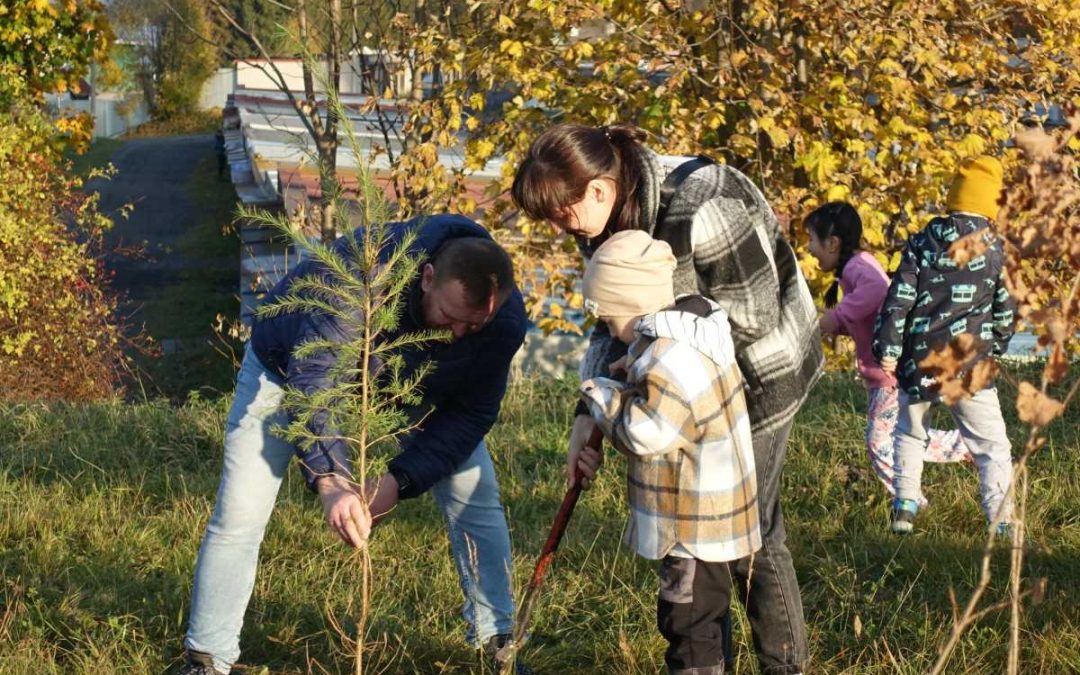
(681, 420)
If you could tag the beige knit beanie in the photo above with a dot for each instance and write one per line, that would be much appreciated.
(630, 274)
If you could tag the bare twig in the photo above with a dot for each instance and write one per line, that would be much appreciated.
(1017, 563)
(971, 612)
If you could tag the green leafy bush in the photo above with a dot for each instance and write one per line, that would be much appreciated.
(186, 60)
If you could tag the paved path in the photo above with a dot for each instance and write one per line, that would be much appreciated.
(153, 174)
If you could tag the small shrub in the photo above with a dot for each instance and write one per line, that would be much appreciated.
(194, 122)
(59, 336)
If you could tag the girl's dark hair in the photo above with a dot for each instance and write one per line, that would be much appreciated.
(840, 220)
(561, 162)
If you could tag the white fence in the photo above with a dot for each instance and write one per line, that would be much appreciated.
(217, 88)
(114, 112)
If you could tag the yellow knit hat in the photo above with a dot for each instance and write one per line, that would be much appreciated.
(630, 274)
(977, 187)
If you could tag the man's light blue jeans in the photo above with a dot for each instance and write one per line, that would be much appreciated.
(255, 463)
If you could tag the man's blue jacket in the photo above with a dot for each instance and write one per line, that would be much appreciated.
(463, 391)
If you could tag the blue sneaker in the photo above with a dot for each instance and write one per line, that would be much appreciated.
(903, 519)
(1003, 530)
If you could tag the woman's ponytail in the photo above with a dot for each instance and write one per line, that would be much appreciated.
(626, 139)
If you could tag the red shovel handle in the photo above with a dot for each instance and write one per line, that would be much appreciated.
(547, 554)
(558, 528)
(562, 518)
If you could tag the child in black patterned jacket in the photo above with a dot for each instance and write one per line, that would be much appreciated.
(931, 300)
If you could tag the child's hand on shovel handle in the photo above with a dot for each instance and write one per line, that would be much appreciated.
(583, 460)
(589, 462)
(590, 447)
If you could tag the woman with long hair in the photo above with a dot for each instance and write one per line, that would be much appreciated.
(592, 182)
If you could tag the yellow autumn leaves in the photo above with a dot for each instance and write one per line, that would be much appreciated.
(872, 102)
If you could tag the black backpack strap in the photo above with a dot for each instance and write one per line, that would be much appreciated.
(679, 241)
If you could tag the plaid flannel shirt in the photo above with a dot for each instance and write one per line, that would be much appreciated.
(681, 420)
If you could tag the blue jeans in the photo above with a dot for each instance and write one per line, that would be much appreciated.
(255, 463)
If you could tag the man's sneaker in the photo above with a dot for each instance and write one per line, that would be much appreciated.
(199, 663)
(903, 519)
(1003, 530)
(491, 649)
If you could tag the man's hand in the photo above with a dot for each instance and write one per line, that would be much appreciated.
(345, 513)
(581, 459)
(382, 494)
(888, 364)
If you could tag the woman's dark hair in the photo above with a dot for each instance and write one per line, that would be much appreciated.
(840, 220)
(561, 162)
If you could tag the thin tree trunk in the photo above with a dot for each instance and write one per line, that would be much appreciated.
(329, 141)
(325, 135)
(1015, 577)
(413, 194)
(800, 178)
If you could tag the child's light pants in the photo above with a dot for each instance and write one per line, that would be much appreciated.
(883, 410)
(983, 429)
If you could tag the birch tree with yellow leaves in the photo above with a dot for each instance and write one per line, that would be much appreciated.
(873, 102)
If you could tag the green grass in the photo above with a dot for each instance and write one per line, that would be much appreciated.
(102, 508)
(186, 311)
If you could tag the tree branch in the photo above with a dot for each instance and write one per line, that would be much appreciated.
(278, 77)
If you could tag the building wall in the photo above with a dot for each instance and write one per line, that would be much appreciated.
(252, 76)
(366, 74)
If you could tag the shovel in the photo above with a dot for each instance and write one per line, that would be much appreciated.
(508, 652)
(506, 655)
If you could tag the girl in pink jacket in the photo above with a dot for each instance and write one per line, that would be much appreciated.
(835, 235)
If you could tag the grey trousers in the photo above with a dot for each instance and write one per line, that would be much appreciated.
(983, 429)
